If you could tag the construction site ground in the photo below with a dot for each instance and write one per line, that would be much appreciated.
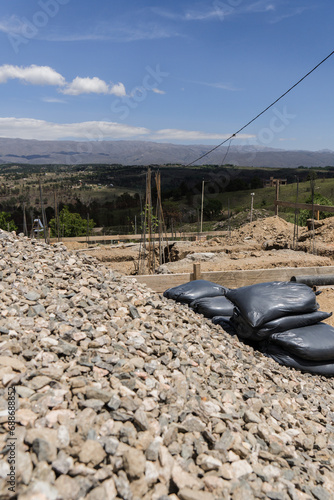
(263, 244)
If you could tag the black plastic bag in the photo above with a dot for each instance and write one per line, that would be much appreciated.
(244, 330)
(264, 302)
(285, 358)
(188, 292)
(225, 323)
(315, 342)
(213, 306)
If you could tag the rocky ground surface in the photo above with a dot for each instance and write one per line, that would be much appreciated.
(123, 394)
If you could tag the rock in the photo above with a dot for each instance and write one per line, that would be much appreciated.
(40, 490)
(14, 363)
(63, 437)
(39, 381)
(241, 468)
(92, 452)
(140, 419)
(24, 467)
(44, 450)
(152, 452)
(94, 393)
(109, 489)
(193, 424)
(183, 479)
(123, 486)
(207, 462)
(33, 296)
(134, 463)
(191, 494)
(67, 487)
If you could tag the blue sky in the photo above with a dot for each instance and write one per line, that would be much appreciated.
(178, 71)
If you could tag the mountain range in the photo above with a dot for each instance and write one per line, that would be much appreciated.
(152, 153)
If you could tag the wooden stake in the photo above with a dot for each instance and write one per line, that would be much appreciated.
(196, 274)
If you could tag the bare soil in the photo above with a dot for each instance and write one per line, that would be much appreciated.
(262, 244)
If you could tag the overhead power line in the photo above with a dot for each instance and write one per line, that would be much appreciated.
(262, 112)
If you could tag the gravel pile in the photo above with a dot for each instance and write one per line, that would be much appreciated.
(123, 394)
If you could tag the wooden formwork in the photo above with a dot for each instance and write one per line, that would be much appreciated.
(230, 279)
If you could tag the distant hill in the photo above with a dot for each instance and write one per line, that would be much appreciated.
(149, 153)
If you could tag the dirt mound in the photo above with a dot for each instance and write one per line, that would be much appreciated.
(268, 229)
(240, 219)
(324, 233)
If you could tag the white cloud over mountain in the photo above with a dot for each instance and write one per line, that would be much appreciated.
(29, 128)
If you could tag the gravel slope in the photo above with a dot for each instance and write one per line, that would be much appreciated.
(121, 393)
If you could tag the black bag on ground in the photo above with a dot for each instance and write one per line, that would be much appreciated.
(264, 302)
(213, 306)
(225, 323)
(285, 358)
(315, 342)
(188, 292)
(244, 330)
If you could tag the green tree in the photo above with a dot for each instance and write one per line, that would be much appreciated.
(212, 208)
(318, 199)
(6, 222)
(71, 224)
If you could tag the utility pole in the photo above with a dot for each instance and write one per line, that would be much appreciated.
(202, 204)
(45, 227)
(277, 196)
(252, 203)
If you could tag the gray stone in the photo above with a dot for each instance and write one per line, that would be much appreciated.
(320, 493)
(193, 424)
(152, 452)
(93, 393)
(44, 450)
(33, 296)
(111, 445)
(140, 419)
(123, 486)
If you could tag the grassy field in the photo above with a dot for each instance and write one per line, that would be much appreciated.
(265, 197)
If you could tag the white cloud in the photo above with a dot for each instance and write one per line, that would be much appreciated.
(53, 100)
(222, 86)
(220, 10)
(293, 12)
(217, 12)
(260, 6)
(29, 128)
(118, 89)
(44, 75)
(208, 14)
(158, 91)
(93, 86)
(13, 25)
(193, 135)
(124, 33)
(86, 86)
(35, 75)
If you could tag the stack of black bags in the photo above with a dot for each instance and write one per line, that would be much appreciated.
(281, 319)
